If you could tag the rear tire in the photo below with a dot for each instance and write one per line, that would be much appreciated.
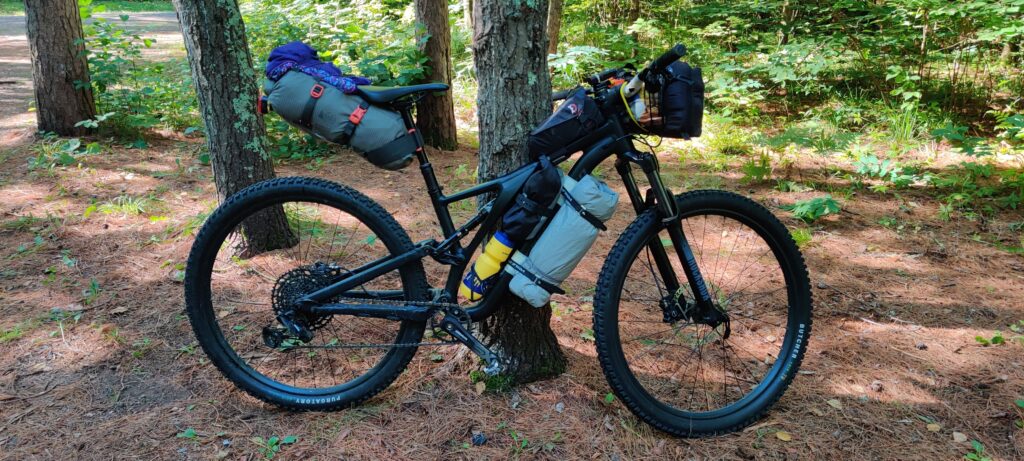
(650, 381)
(225, 322)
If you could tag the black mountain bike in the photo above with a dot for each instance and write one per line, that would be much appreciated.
(702, 310)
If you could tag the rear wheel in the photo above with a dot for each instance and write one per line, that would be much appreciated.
(683, 376)
(274, 242)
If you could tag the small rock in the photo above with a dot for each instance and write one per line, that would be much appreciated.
(921, 346)
(559, 407)
(479, 439)
(959, 437)
(877, 386)
(515, 400)
(934, 427)
(226, 442)
(822, 285)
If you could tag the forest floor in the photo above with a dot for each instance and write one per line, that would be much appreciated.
(97, 360)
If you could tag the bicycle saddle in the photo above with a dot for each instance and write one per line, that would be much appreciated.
(386, 94)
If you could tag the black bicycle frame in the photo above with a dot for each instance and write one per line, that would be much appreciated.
(604, 142)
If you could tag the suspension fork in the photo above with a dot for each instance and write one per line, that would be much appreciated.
(668, 215)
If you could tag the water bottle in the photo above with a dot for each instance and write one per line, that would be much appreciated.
(480, 276)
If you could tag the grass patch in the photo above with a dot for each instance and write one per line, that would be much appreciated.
(17, 8)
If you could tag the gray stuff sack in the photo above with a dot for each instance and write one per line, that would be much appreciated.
(563, 243)
(379, 135)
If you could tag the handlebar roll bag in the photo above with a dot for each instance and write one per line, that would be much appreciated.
(378, 134)
(584, 207)
(677, 110)
(576, 117)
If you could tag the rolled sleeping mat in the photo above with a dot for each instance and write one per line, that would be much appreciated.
(583, 208)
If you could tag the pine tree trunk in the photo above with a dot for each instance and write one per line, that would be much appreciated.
(435, 113)
(514, 96)
(554, 25)
(225, 82)
(60, 73)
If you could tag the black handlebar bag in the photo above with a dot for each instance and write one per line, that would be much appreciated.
(577, 116)
(676, 110)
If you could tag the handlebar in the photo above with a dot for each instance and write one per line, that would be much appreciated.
(667, 58)
(560, 95)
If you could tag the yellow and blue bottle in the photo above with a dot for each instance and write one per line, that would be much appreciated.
(481, 276)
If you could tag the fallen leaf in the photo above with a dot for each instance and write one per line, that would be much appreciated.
(119, 310)
(959, 437)
(481, 387)
(817, 412)
(221, 454)
(934, 427)
(783, 436)
(835, 403)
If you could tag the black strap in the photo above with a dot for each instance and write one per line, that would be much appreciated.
(593, 220)
(544, 284)
(306, 119)
(532, 207)
(349, 128)
(402, 144)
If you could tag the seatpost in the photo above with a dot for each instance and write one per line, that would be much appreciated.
(433, 187)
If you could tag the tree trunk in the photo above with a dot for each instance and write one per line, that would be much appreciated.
(554, 25)
(514, 96)
(467, 17)
(222, 70)
(60, 73)
(435, 113)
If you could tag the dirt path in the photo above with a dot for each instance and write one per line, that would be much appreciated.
(16, 66)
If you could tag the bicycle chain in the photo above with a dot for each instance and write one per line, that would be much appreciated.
(453, 309)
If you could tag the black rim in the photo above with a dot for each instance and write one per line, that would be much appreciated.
(327, 235)
(746, 389)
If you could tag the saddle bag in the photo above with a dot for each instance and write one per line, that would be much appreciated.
(576, 117)
(584, 208)
(378, 134)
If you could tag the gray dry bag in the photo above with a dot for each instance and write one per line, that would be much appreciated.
(584, 207)
(377, 133)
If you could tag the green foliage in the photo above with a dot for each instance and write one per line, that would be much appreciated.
(757, 170)
(133, 95)
(52, 151)
(995, 340)
(273, 445)
(812, 209)
(977, 452)
(802, 237)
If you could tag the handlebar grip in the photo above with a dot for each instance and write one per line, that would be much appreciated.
(560, 95)
(668, 58)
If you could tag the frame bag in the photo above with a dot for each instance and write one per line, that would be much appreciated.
(585, 206)
(576, 117)
(324, 111)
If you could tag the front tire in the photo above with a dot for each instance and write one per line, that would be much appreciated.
(687, 378)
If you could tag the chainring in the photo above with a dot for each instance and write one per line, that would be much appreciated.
(299, 282)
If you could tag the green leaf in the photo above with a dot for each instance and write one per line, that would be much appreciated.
(1020, 403)
(187, 434)
(609, 398)
(288, 440)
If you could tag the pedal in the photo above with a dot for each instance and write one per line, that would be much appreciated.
(454, 327)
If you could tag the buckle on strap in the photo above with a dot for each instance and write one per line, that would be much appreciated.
(588, 216)
(317, 90)
(357, 115)
(544, 284)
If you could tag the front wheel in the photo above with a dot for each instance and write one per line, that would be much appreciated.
(675, 371)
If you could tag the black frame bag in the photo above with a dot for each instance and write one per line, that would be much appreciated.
(577, 116)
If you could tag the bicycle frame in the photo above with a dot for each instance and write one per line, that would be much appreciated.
(608, 140)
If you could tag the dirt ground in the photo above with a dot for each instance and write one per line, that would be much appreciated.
(97, 360)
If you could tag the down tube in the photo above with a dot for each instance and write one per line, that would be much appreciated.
(590, 160)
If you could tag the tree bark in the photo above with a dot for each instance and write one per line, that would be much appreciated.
(514, 96)
(60, 72)
(554, 24)
(435, 113)
(222, 70)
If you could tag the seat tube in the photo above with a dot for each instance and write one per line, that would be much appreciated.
(444, 217)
